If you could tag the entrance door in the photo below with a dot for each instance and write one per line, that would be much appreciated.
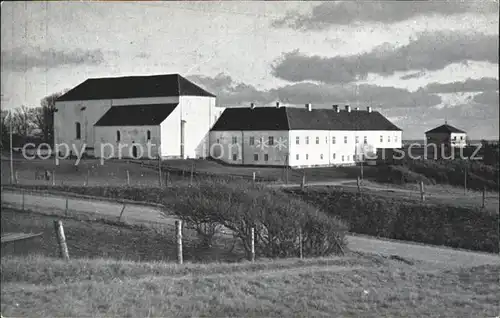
(134, 152)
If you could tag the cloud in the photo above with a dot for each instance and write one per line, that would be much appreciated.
(329, 14)
(488, 98)
(412, 75)
(415, 111)
(427, 52)
(231, 93)
(470, 85)
(19, 59)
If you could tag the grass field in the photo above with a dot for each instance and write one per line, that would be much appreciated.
(114, 172)
(328, 287)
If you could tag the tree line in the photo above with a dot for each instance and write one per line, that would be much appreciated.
(30, 124)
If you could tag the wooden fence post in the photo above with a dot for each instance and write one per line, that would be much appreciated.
(252, 244)
(358, 184)
(53, 177)
(159, 171)
(178, 226)
(253, 177)
(300, 244)
(422, 191)
(121, 212)
(191, 177)
(17, 177)
(303, 183)
(128, 178)
(484, 198)
(465, 181)
(87, 178)
(167, 178)
(67, 206)
(22, 194)
(61, 240)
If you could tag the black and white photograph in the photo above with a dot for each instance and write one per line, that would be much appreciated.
(250, 158)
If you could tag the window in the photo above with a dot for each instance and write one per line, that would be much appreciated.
(365, 140)
(218, 140)
(461, 137)
(118, 136)
(266, 157)
(235, 157)
(307, 140)
(255, 157)
(334, 156)
(317, 140)
(307, 156)
(454, 137)
(381, 138)
(297, 140)
(252, 141)
(321, 156)
(357, 139)
(271, 140)
(345, 139)
(395, 138)
(388, 138)
(148, 135)
(78, 131)
(326, 139)
(333, 140)
(297, 156)
(347, 158)
(342, 158)
(235, 140)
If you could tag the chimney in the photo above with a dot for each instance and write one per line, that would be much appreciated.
(369, 109)
(277, 104)
(309, 107)
(252, 105)
(336, 108)
(348, 108)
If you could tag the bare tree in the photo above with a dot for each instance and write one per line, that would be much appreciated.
(22, 121)
(5, 128)
(44, 116)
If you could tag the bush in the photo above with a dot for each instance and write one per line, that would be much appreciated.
(466, 228)
(276, 218)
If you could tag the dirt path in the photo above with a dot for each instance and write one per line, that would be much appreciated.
(441, 256)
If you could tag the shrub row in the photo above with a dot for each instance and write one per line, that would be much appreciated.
(277, 219)
(466, 228)
(208, 206)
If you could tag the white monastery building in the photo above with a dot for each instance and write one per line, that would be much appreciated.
(301, 137)
(123, 116)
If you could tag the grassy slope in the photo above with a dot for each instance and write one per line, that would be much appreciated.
(347, 287)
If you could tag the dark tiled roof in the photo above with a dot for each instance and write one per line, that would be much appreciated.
(445, 129)
(293, 118)
(134, 87)
(136, 115)
(260, 118)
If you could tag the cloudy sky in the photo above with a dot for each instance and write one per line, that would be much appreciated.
(419, 63)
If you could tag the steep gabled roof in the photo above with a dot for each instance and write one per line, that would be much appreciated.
(134, 87)
(136, 115)
(293, 118)
(446, 129)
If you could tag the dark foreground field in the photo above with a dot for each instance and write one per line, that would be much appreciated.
(325, 287)
(94, 238)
